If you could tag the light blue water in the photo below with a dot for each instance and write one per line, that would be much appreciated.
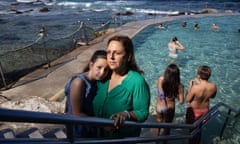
(219, 50)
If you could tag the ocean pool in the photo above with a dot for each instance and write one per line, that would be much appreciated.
(220, 50)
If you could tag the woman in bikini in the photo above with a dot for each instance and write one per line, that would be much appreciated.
(169, 87)
(173, 46)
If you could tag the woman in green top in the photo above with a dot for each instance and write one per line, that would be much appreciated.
(125, 94)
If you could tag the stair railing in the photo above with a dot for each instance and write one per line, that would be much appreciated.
(9, 115)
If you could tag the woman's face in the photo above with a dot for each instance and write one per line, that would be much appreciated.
(116, 55)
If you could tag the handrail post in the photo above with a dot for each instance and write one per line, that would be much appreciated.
(225, 123)
(69, 131)
(42, 33)
(115, 22)
(85, 33)
(2, 75)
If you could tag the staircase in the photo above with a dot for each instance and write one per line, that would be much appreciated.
(51, 128)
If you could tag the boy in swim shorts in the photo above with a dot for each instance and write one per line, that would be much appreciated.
(199, 92)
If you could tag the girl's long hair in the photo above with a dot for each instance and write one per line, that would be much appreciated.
(171, 81)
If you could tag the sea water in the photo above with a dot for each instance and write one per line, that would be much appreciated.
(20, 20)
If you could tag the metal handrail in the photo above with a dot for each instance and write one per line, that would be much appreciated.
(9, 115)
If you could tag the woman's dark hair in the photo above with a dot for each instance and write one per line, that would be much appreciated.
(96, 55)
(204, 72)
(171, 81)
(128, 46)
(174, 39)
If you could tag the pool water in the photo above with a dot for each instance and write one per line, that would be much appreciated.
(220, 50)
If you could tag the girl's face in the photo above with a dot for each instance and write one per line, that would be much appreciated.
(116, 55)
(99, 69)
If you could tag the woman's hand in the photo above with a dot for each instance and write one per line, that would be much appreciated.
(119, 118)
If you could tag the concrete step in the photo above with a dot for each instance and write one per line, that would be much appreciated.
(7, 133)
(56, 133)
(30, 133)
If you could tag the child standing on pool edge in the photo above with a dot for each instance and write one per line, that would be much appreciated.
(173, 46)
(199, 93)
(169, 87)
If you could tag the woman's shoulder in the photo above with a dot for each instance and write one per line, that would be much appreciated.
(135, 80)
(135, 76)
(181, 85)
(170, 44)
(161, 78)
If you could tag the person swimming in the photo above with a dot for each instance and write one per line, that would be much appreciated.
(42, 32)
(196, 26)
(215, 27)
(161, 26)
(184, 24)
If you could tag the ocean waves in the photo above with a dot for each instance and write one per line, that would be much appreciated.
(33, 7)
(53, 14)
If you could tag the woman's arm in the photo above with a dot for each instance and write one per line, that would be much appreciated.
(179, 46)
(159, 83)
